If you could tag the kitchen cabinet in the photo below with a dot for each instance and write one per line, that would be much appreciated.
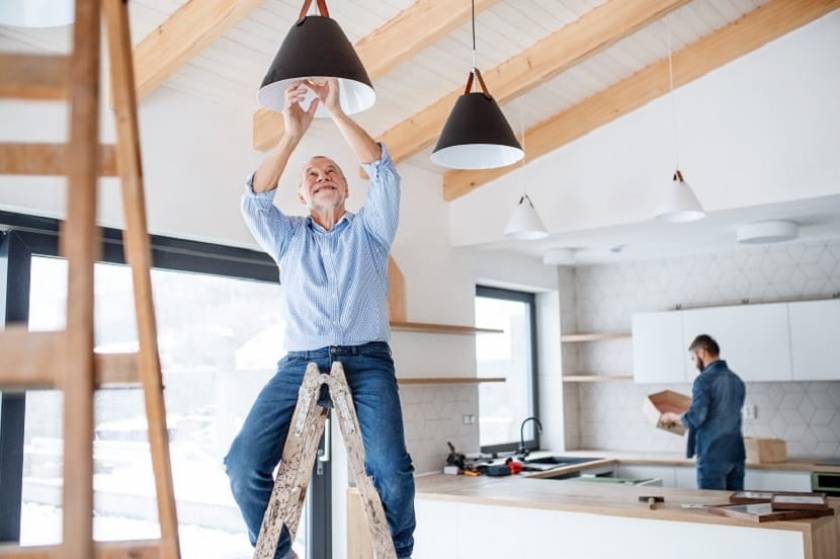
(659, 354)
(814, 337)
(777, 480)
(754, 339)
(685, 477)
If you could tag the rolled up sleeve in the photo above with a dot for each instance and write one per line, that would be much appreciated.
(699, 410)
(270, 227)
(381, 211)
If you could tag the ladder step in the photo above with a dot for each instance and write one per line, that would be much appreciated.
(33, 76)
(137, 549)
(35, 360)
(29, 358)
(48, 159)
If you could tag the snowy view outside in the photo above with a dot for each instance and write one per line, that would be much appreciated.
(503, 406)
(220, 340)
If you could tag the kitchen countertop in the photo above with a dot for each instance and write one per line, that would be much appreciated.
(580, 496)
(679, 459)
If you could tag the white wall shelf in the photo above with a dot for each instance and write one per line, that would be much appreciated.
(593, 337)
(449, 380)
(597, 378)
(441, 328)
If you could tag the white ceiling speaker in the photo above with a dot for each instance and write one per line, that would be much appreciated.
(559, 257)
(525, 223)
(764, 232)
(37, 13)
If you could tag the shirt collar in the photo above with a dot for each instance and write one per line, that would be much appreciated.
(719, 364)
(340, 224)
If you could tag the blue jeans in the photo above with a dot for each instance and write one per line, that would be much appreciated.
(720, 475)
(258, 447)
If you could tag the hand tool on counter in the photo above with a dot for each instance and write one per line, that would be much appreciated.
(651, 500)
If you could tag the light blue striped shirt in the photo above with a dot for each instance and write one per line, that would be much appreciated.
(335, 283)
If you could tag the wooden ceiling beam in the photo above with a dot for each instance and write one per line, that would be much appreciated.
(396, 41)
(593, 32)
(188, 31)
(708, 53)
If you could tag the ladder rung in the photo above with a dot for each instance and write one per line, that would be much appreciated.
(48, 159)
(137, 549)
(33, 76)
(35, 360)
(29, 358)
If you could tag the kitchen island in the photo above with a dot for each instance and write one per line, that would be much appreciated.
(516, 516)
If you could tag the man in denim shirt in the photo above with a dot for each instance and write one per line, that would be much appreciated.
(714, 419)
(333, 268)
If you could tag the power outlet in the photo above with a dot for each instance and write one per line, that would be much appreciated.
(751, 412)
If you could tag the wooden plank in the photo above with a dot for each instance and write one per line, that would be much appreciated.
(137, 549)
(81, 242)
(29, 358)
(397, 40)
(191, 29)
(139, 256)
(593, 32)
(359, 545)
(116, 368)
(758, 27)
(449, 380)
(440, 328)
(49, 159)
(594, 336)
(33, 76)
(596, 378)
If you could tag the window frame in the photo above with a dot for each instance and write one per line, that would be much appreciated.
(529, 299)
(23, 236)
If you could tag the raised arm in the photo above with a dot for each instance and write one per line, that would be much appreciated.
(296, 122)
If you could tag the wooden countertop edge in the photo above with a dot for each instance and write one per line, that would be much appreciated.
(630, 458)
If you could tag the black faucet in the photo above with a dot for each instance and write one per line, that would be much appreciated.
(523, 452)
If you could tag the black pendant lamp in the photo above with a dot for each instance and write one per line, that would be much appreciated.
(476, 134)
(316, 48)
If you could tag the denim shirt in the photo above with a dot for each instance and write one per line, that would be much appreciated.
(714, 418)
(335, 283)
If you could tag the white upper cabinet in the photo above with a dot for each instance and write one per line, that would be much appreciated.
(754, 339)
(815, 340)
(659, 354)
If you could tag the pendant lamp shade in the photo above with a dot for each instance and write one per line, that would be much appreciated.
(317, 48)
(476, 134)
(525, 223)
(679, 204)
(37, 13)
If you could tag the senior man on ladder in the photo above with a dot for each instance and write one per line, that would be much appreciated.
(333, 268)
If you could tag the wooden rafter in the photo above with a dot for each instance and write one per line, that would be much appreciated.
(593, 32)
(188, 31)
(396, 41)
(744, 35)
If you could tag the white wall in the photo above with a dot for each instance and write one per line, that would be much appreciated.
(760, 130)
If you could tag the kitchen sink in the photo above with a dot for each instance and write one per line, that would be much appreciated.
(551, 462)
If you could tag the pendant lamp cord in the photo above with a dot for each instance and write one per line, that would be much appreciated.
(673, 100)
(472, 5)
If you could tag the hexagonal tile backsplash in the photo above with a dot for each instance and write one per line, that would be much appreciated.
(805, 414)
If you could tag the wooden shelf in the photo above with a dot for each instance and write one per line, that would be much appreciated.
(594, 336)
(441, 328)
(596, 378)
(449, 380)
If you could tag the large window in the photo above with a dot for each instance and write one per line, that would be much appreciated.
(220, 337)
(512, 355)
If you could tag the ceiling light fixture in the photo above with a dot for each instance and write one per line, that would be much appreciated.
(679, 203)
(525, 223)
(476, 134)
(316, 48)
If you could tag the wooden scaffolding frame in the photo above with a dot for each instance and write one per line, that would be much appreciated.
(66, 359)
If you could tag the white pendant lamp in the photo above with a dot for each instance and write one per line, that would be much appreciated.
(37, 13)
(525, 223)
(679, 203)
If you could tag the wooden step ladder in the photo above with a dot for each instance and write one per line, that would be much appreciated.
(299, 453)
(66, 359)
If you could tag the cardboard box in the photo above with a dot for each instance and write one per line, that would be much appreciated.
(765, 451)
(666, 401)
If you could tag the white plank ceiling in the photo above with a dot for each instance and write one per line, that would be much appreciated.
(231, 69)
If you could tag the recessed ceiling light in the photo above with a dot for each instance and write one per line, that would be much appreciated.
(764, 232)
